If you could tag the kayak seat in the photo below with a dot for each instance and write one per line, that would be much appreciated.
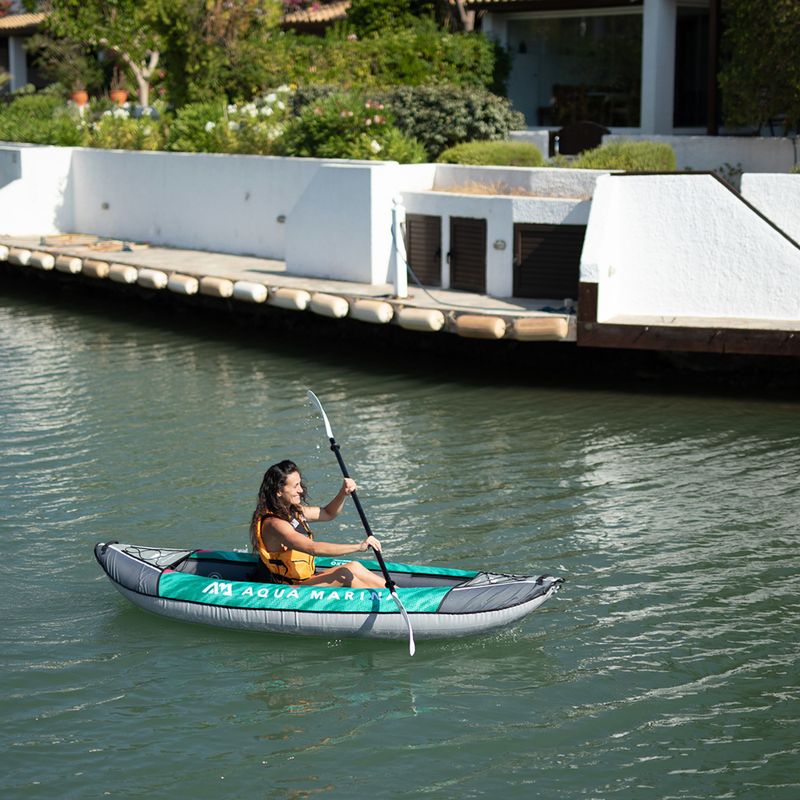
(260, 574)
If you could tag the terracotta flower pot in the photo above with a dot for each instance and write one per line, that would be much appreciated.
(80, 97)
(119, 96)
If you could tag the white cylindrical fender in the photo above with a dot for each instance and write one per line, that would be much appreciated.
(183, 284)
(152, 278)
(250, 292)
(70, 264)
(123, 273)
(216, 287)
(420, 319)
(329, 305)
(41, 260)
(19, 256)
(540, 329)
(95, 269)
(376, 311)
(3, 253)
(478, 326)
(293, 299)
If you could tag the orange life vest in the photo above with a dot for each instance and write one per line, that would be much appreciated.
(288, 566)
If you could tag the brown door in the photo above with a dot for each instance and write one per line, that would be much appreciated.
(424, 248)
(467, 254)
(547, 260)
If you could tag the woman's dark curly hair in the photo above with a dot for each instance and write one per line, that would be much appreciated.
(268, 499)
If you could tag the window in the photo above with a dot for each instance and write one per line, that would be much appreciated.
(577, 68)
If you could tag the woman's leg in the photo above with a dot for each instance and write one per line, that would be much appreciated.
(353, 575)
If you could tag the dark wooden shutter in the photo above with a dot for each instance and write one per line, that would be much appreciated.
(547, 260)
(424, 248)
(468, 254)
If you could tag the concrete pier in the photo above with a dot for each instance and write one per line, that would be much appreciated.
(246, 281)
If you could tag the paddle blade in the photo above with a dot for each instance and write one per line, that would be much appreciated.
(315, 399)
(412, 647)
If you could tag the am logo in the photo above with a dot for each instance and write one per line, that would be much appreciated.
(219, 587)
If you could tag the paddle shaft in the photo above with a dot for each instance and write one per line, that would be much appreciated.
(390, 584)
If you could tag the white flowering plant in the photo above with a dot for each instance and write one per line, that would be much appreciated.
(251, 127)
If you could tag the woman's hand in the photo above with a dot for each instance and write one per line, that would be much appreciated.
(372, 542)
(349, 486)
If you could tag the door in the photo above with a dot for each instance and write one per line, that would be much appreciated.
(467, 254)
(547, 260)
(424, 248)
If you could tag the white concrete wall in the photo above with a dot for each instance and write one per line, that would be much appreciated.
(777, 197)
(540, 181)
(709, 153)
(195, 200)
(541, 138)
(35, 190)
(341, 225)
(685, 246)
(324, 218)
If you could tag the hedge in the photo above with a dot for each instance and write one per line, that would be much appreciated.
(405, 56)
(629, 156)
(442, 116)
(504, 154)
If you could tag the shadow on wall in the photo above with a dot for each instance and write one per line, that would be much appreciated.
(10, 167)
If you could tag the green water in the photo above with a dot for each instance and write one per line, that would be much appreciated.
(666, 668)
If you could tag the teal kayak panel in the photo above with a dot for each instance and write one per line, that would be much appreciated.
(417, 569)
(242, 594)
(325, 562)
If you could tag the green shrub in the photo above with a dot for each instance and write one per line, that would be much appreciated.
(41, 119)
(629, 156)
(117, 130)
(193, 129)
(795, 170)
(347, 126)
(370, 16)
(442, 116)
(412, 55)
(253, 127)
(504, 154)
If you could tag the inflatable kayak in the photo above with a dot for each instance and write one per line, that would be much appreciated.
(220, 588)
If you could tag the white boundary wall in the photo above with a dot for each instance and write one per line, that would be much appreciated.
(710, 153)
(685, 246)
(35, 190)
(324, 218)
(777, 197)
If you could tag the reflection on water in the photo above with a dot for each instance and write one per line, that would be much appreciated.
(665, 668)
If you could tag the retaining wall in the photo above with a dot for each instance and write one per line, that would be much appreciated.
(686, 246)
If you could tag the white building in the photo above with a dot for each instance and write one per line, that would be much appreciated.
(644, 66)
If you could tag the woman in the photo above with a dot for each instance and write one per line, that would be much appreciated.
(279, 533)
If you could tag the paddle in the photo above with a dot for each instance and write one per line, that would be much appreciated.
(390, 584)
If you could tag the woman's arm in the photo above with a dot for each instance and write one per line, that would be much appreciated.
(332, 509)
(279, 534)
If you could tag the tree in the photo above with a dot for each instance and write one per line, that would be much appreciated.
(122, 27)
(209, 44)
(761, 80)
